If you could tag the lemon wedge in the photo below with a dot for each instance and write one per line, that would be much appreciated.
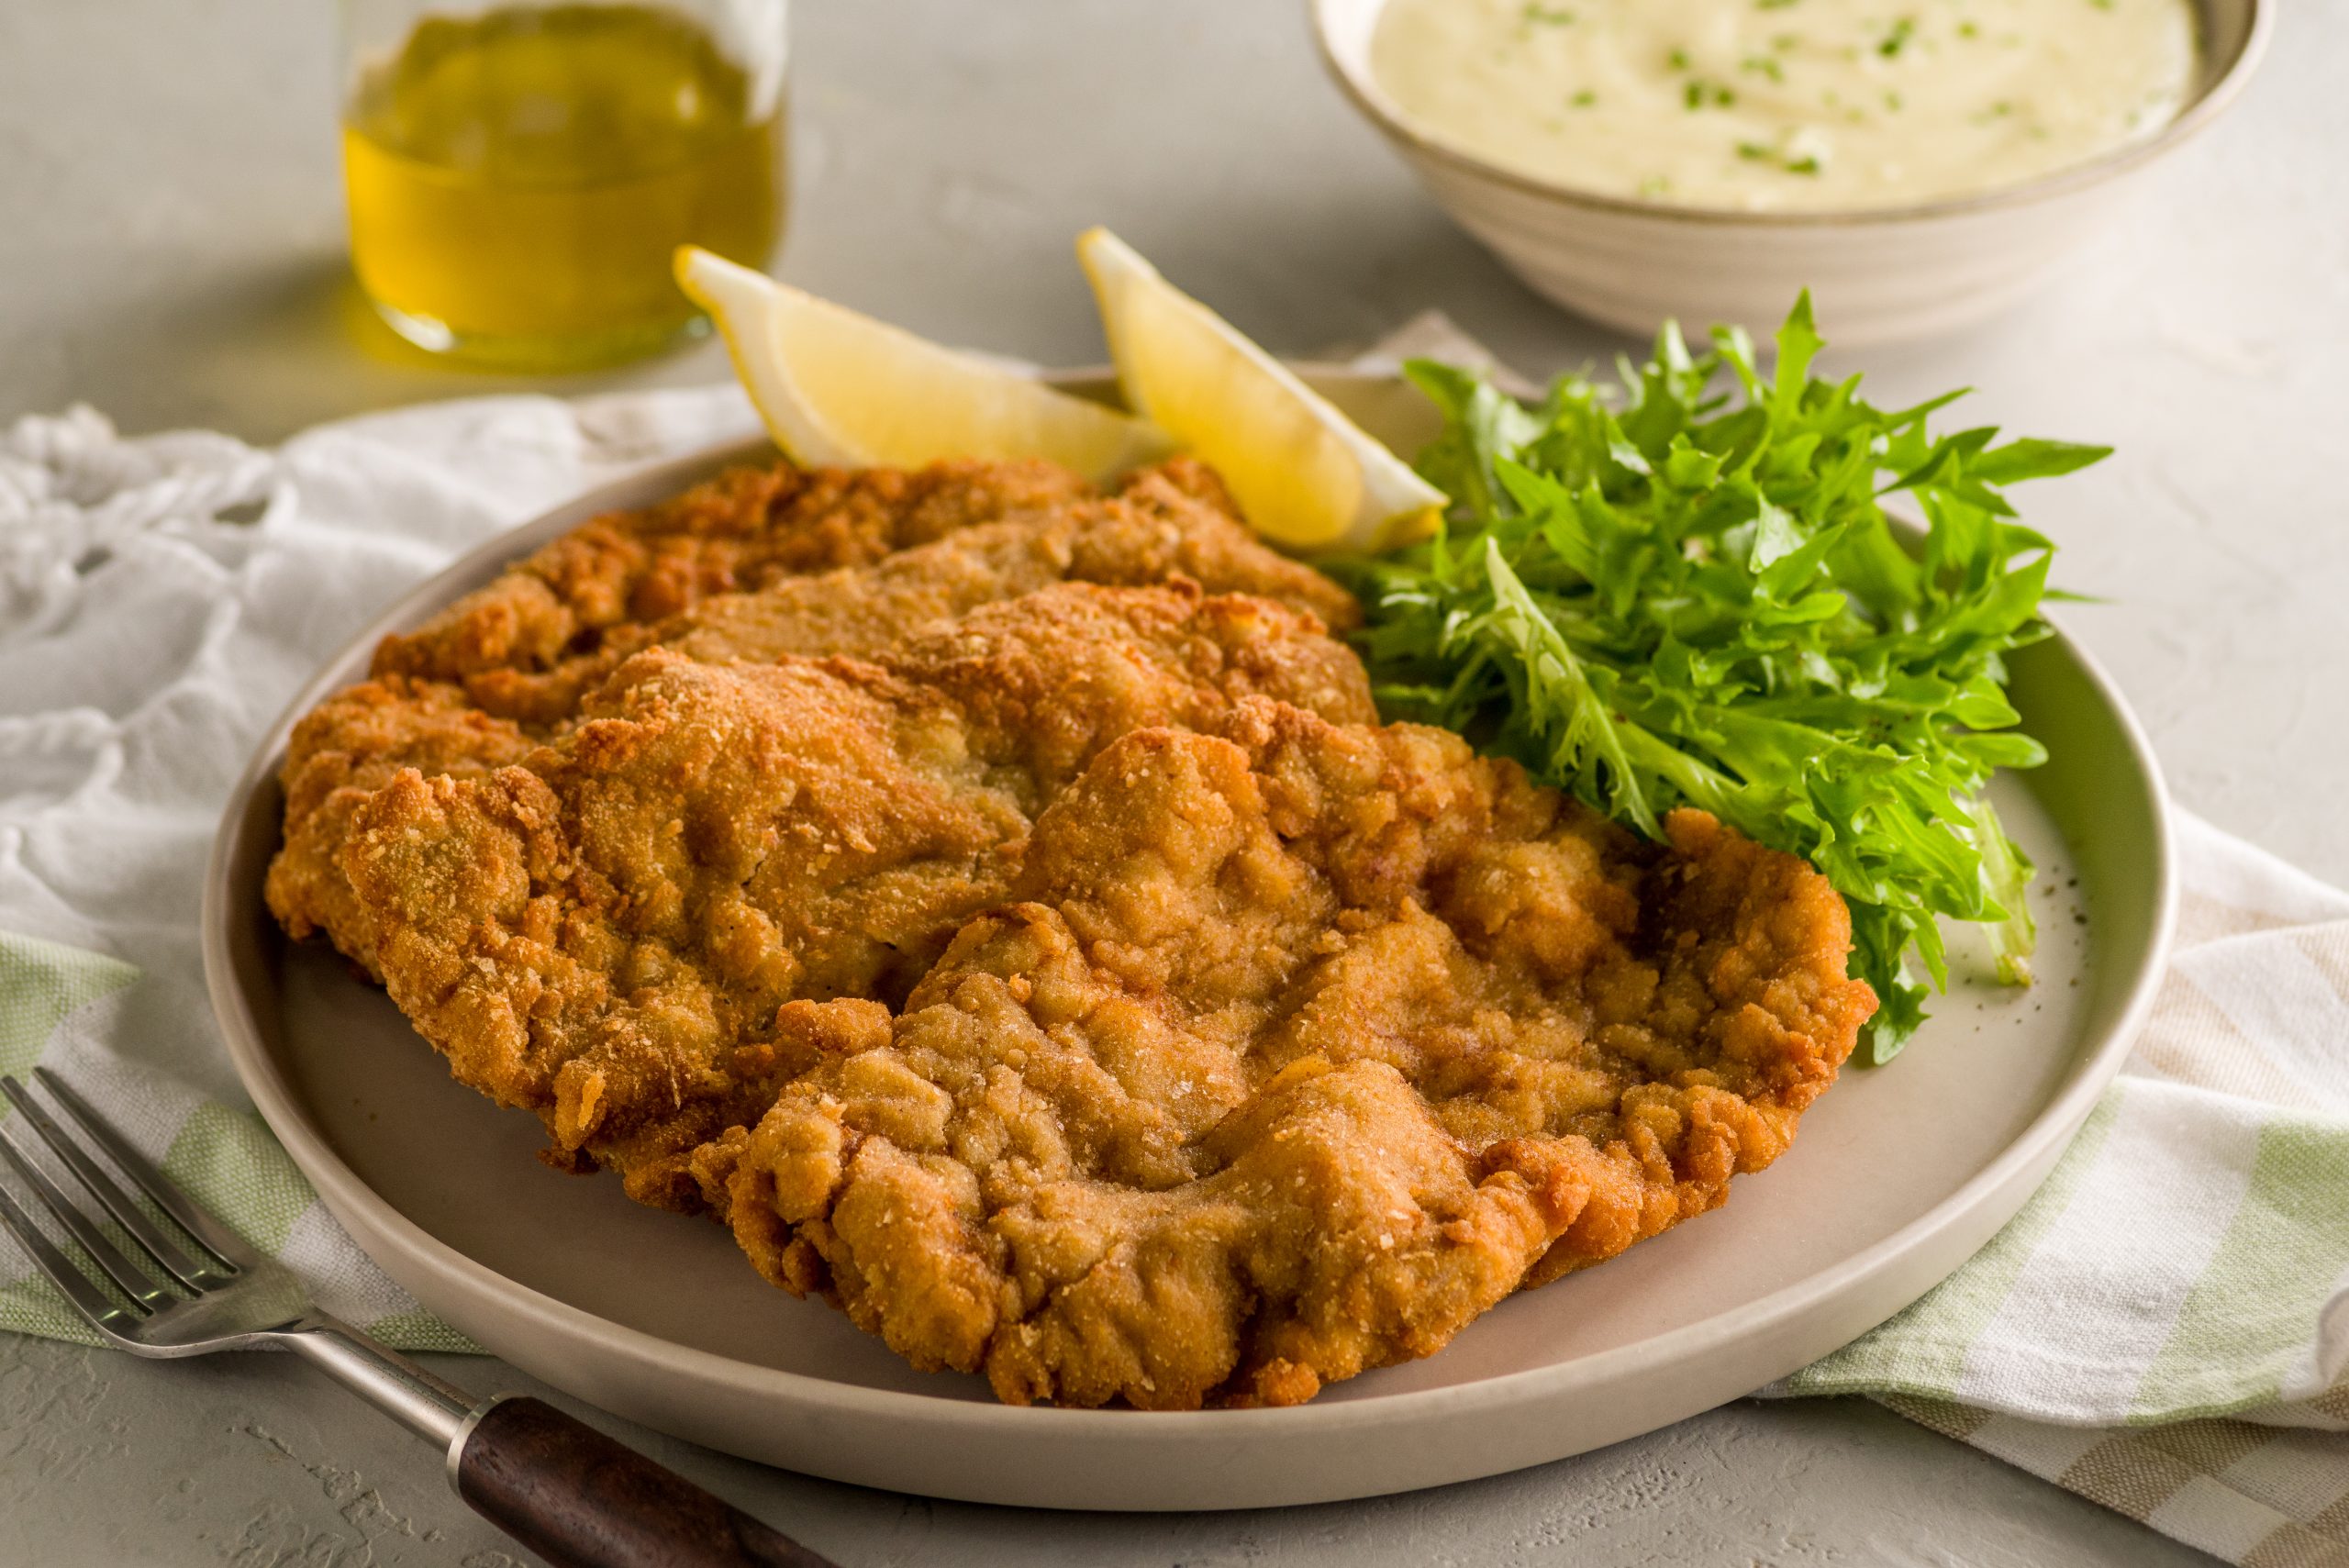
(1307, 477)
(840, 389)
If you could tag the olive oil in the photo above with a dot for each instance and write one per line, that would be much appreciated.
(520, 178)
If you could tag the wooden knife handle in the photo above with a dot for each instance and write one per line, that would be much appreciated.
(581, 1500)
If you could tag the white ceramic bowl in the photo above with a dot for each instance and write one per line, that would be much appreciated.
(1877, 276)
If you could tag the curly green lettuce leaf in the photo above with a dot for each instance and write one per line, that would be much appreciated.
(1658, 594)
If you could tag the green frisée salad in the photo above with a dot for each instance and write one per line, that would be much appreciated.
(1673, 591)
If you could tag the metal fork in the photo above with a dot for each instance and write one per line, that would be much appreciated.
(574, 1496)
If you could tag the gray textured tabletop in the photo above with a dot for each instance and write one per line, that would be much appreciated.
(170, 253)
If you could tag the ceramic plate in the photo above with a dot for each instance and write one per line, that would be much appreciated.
(1898, 1176)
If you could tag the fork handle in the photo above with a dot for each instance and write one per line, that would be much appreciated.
(574, 1496)
(582, 1500)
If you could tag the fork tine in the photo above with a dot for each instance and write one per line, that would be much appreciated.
(87, 1298)
(144, 1230)
(219, 1239)
(136, 1285)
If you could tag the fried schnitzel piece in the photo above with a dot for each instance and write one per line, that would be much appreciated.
(1300, 1049)
(1153, 530)
(919, 550)
(743, 529)
(751, 528)
(607, 934)
(344, 750)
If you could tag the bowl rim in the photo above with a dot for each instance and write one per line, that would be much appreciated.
(1371, 102)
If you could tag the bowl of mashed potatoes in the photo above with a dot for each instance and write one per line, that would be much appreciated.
(1917, 164)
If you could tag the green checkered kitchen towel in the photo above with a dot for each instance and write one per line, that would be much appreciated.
(2163, 1329)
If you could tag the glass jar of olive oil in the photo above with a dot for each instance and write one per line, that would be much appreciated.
(519, 173)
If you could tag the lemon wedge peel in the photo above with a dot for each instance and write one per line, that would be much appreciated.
(839, 389)
(1306, 476)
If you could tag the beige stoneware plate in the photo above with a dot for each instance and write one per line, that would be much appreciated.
(1898, 1176)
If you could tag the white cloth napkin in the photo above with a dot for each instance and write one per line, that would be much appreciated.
(2165, 1327)
(160, 599)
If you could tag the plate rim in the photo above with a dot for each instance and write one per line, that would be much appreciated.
(2039, 1142)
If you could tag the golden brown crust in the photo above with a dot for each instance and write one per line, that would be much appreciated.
(1302, 1049)
(343, 751)
(752, 529)
(605, 933)
(1151, 533)
(1078, 985)
(757, 563)
(741, 530)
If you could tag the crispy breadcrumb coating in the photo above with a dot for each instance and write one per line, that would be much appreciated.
(1048, 960)
(605, 932)
(1296, 1051)
(754, 564)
